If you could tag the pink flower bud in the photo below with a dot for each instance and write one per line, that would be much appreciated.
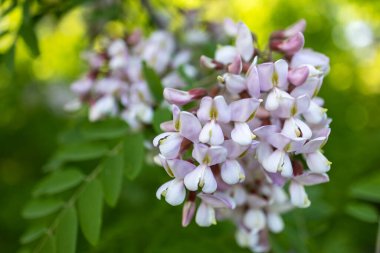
(188, 212)
(290, 31)
(236, 66)
(177, 97)
(289, 46)
(209, 63)
(298, 76)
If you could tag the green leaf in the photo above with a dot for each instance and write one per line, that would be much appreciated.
(67, 231)
(81, 152)
(154, 82)
(104, 130)
(9, 57)
(49, 246)
(112, 178)
(362, 211)
(90, 211)
(133, 154)
(37, 208)
(182, 73)
(368, 189)
(33, 233)
(59, 181)
(160, 115)
(27, 32)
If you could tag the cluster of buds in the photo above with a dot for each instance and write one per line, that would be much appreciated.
(253, 142)
(115, 84)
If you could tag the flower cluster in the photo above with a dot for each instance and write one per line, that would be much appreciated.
(115, 84)
(253, 142)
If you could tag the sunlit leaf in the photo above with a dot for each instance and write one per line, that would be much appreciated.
(90, 204)
(153, 81)
(112, 178)
(37, 208)
(59, 181)
(133, 154)
(67, 232)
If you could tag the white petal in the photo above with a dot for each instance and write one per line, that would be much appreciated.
(275, 222)
(170, 146)
(162, 190)
(317, 162)
(244, 42)
(192, 179)
(273, 100)
(273, 162)
(205, 216)
(298, 195)
(232, 172)
(242, 134)
(176, 193)
(212, 134)
(225, 54)
(208, 181)
(254, 219)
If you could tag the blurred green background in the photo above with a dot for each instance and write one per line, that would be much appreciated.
(34, 85)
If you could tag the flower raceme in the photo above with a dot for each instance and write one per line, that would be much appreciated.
(253, 141)
(115, 84)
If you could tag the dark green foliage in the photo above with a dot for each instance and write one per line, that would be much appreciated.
(154, 82)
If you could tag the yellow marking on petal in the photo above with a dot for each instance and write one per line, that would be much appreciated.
(253, 114)
(177, 125)
(243, 154)
(298, 132)
(275, 78)
(221, 79)
(241, 177)
(293, 111)
(206, 159)
(164, 193)
(213, 113)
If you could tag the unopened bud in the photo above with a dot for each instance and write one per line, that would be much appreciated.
(298, 76)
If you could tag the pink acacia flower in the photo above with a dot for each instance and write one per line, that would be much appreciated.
(254, 132)
(115, 85)
(213, 112)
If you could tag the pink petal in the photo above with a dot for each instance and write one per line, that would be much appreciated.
(190, 127)
(244, 110)
(188, 212)
(236, 66)
(177, 97)
(311, 178)
(253, 82)
(217, 200)
(265, 71)
(298, 75)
